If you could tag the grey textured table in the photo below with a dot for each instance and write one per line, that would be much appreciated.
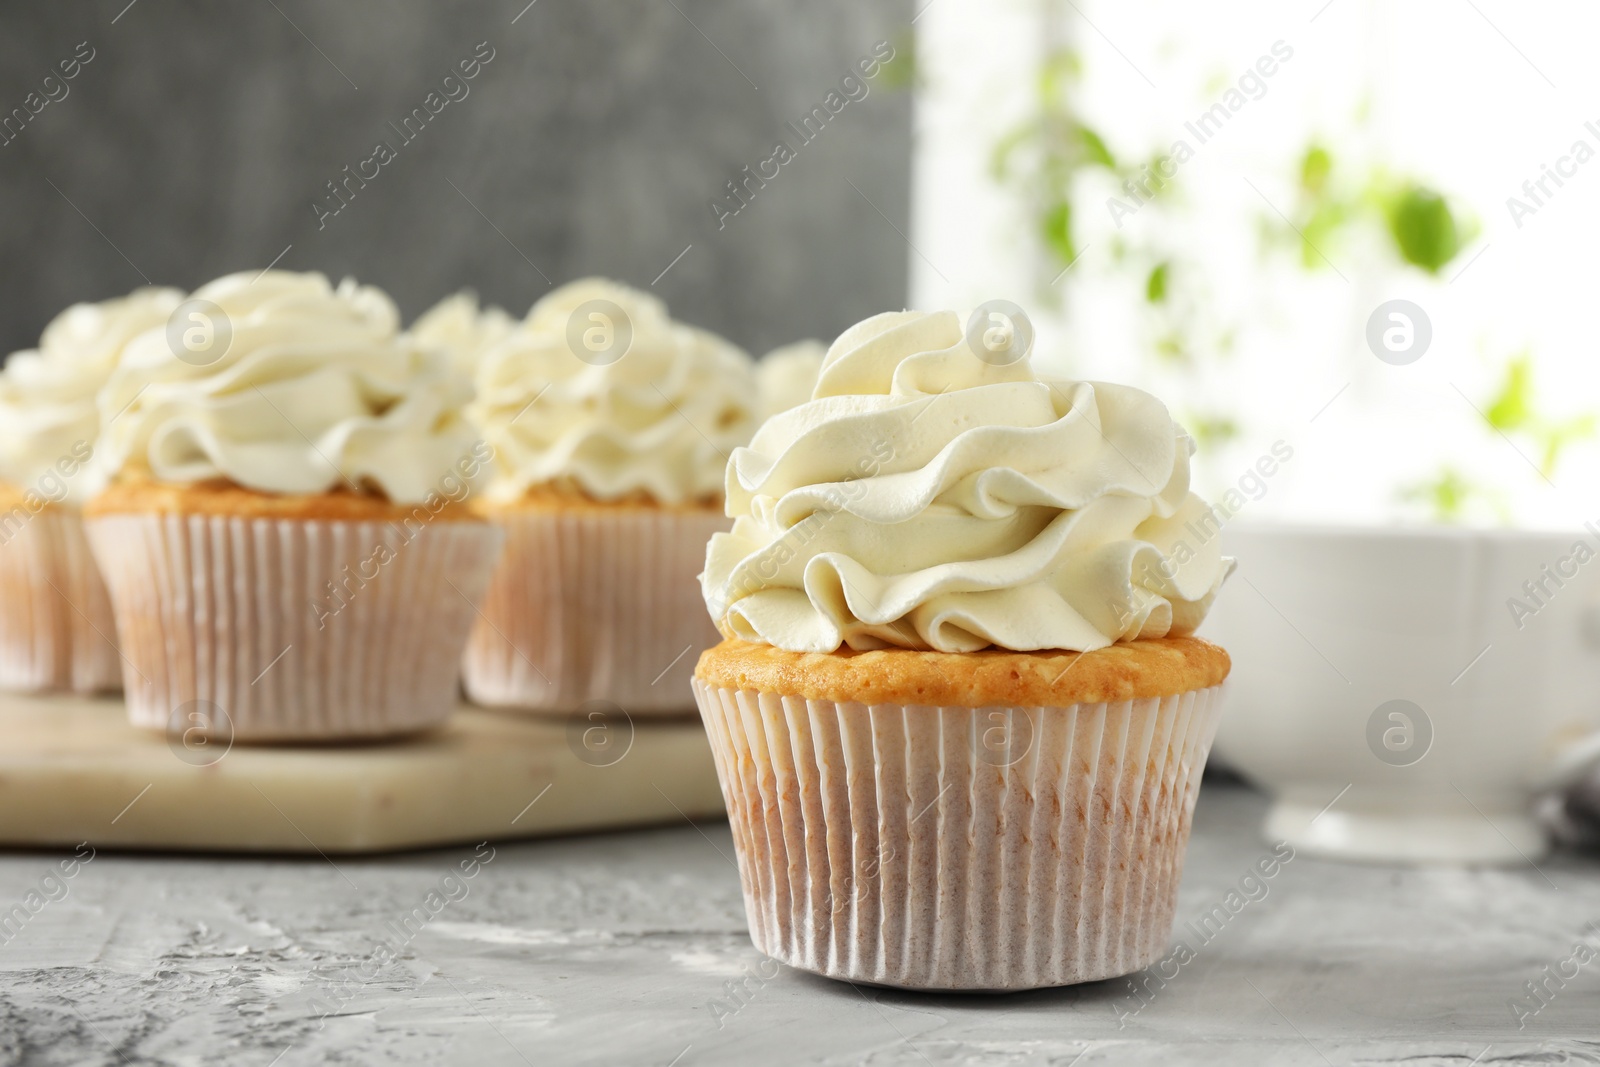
(630, 948)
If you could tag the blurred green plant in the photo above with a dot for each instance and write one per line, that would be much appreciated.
(1155, 286)
(1045, 160)
(1315, 167)
(1448, 498)
(1327, 212)
(1422, 226)
(1511, 411)
(1209, 431)
(1044, 155)
(901, 72)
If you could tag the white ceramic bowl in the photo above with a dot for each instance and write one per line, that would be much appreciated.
(1394, 698)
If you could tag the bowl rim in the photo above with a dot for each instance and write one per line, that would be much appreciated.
(1408, 532)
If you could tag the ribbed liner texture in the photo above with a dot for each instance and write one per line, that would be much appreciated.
(902, 846)
(594, 605)
(56, 626)
(295, 629)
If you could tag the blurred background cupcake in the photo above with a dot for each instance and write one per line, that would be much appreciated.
(611, 425)
(461, 329)
(56, 627)
(285, 535)
(787, 375)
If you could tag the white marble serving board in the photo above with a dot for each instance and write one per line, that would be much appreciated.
(73, 770)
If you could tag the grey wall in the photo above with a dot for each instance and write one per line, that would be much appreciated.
(196, 140)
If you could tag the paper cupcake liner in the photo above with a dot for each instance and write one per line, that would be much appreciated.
(594, 605)
(291, 629)
(892, 845)
(56, 626)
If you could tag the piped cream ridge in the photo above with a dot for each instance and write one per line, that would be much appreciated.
(930, 498)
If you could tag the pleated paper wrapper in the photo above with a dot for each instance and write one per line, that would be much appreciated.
(56, 627)
(594, 605)
(291, 629)
(902, 846)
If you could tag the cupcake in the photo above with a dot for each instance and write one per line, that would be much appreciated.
(786, 376)
(959, 716)
(611, 425)
(286, 535)
(462, 330)
(56, 628)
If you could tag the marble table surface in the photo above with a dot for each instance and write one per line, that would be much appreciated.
(630, 948)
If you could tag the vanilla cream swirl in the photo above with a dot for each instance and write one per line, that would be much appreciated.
(600, 391)
(926, 498)
(281, 383)
(47, 394)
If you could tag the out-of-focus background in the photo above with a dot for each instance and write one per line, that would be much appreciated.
(1219, 205)
(198, 137)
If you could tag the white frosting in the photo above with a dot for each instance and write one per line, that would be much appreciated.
(928, 499)
(563, 400)
(315, 390)
(787, 375)
(47, 394)
(458, 327)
